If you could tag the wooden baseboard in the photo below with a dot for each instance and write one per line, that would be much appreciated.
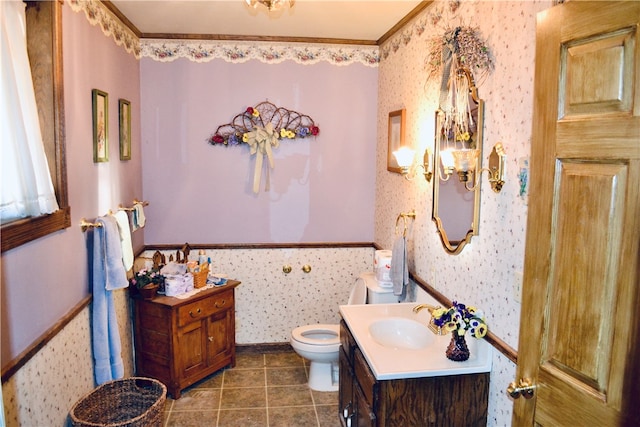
(277, 347)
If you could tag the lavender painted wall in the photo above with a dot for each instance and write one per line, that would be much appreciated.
(44, 279)
(322, 188)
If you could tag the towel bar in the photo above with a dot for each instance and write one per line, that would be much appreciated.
(85, 225)
(404, 217)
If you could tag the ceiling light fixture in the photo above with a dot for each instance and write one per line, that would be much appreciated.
(272, 5)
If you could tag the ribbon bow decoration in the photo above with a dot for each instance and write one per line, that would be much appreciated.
(260, 141)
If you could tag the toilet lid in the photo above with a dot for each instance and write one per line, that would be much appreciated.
(305, 334)
(358, 293)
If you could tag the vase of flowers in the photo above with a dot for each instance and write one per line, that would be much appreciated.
(458, 319)
(147, 282)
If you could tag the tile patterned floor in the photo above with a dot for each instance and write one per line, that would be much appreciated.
(262, 390)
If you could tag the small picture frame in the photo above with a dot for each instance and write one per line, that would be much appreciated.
(124, 114)
(396, 138)
(100, 126)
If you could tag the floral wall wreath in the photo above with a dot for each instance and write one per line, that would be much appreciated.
(262, 127)
(457, 56)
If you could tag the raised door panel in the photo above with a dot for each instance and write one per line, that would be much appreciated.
(597, 74)
(220, 337)
(583, 288)
(192, 349)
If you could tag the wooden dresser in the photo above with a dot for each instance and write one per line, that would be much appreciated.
(181, 341)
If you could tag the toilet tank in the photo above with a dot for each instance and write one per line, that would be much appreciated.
(377, 294)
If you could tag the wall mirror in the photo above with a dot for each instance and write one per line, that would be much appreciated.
(456, 210)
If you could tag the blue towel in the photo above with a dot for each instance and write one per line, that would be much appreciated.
(107, 274)
(399, 269)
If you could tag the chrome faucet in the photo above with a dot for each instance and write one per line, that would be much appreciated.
(432, 326)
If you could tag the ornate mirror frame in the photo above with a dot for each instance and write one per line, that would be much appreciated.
(445, 205)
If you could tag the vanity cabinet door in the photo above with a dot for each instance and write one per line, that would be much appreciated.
(345, 391)
(365, 416)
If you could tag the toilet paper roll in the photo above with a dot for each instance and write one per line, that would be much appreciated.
(382, 265)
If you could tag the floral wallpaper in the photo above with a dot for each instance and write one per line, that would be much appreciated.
(111, 26)
(266, 52)
(230, 51)
(484, 273)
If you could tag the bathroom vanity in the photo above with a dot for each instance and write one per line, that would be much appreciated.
(443, 394)
(181, 341)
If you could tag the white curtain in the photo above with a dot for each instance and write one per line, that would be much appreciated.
(26, 187)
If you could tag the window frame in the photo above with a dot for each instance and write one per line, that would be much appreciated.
(44, 28)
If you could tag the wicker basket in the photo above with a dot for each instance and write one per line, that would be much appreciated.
(200, 278)
(131, 402)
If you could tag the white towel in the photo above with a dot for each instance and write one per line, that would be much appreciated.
(399, 268)
(125, 239)
(138, 216)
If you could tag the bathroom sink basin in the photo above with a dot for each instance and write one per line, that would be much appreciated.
(398, 332)
(397, 343)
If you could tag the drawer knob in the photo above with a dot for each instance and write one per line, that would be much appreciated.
(194, 315)
(220, 304)
(210, 339)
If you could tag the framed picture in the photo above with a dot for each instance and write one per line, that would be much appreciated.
(100, 126)
(124, 109)
(396, 138)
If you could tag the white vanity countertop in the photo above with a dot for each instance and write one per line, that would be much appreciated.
(388, 362)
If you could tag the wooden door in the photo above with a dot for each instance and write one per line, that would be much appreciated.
(579, 325)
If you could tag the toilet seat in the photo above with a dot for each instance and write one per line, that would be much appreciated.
(326, 335)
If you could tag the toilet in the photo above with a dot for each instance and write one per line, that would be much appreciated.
(320, 343)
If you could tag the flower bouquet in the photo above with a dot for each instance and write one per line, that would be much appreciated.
(458, 319)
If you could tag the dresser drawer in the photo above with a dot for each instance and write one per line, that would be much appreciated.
(205, 307)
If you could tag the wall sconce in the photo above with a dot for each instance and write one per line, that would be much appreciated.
(405, 155)
(463, 162)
